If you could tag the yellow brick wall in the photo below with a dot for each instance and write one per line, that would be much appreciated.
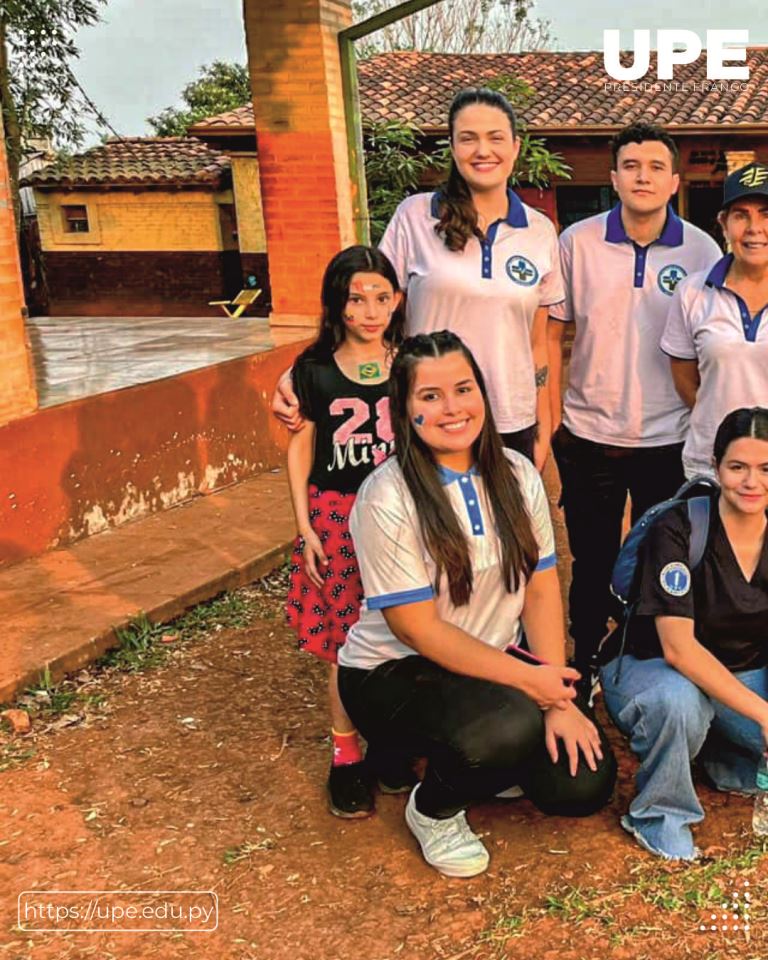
(134, 220)
(250, 217)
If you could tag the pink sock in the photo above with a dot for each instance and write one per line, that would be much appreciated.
(346, 748)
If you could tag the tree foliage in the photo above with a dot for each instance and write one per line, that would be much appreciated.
(393, 167)
(221, 86)
(459, 26)
(39, 94)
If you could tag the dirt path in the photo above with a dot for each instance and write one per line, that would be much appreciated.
(206, 772)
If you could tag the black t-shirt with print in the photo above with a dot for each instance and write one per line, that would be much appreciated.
(353, 434)
(730, 614)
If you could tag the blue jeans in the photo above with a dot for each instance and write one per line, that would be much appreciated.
(669, 721)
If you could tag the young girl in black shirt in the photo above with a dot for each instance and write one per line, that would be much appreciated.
(341, 383)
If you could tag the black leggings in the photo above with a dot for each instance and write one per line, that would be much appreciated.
(479, 738)
(521, 440)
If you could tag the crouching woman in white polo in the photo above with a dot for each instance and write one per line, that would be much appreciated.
(455, 547)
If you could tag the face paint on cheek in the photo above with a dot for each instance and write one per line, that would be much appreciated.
(419, 419)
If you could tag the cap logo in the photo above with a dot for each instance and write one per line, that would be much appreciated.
(669, 277)
(754, 177)
(675, 579)
(522, 271)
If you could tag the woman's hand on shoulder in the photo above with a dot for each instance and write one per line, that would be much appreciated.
(577, 733)
(550, 687)
(285, 403)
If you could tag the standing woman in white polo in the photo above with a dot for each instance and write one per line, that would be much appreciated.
(717, 328)
(475, 260)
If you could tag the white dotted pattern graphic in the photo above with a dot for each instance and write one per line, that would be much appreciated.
(733, 916)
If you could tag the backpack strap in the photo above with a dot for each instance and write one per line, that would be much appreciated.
(698, 515)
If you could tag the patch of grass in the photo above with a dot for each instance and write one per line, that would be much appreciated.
(574, 905)
(228, 610)
(697, 886)
(620, 937)
(244, 850)
(14, 754)
(50, 697)
(138, 646)
(505, 928)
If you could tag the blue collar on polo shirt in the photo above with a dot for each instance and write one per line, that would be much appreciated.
(448, 476)
(515, 217)
(468, 492)
(671, 236)
(716, 278)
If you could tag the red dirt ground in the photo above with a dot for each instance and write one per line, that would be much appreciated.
(170, 798)
(220, 755)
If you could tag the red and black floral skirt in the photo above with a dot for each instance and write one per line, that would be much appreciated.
(321, 616)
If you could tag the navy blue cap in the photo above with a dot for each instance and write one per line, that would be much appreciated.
(748, 181)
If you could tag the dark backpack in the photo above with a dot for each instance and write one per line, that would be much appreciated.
(697, 495)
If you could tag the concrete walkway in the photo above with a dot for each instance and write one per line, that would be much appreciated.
(60, 609)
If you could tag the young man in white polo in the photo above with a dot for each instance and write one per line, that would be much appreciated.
(620, 427)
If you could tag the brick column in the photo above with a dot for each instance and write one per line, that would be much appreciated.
(17, 384)
(295, 71)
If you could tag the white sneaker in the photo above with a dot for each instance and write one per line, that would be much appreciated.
(511, 793)
(448, 845)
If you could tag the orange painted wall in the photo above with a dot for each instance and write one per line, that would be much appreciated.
(17, 386)
(79, 468)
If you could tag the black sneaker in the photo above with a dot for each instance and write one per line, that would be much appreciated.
(349, 792)
(393, 772)
(589, 683)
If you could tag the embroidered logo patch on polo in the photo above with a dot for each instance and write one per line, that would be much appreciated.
(669, 277)
(522, 271)
(675, 579)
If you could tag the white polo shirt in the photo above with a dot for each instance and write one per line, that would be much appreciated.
(620, 388)
(397, 569)
(487, 294)
(711, 324)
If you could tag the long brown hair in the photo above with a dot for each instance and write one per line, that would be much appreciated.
(458, 217)
(440, 528)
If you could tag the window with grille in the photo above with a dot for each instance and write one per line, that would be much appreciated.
(75, 218)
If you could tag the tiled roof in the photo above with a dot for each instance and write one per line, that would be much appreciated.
(145, 161)
(570, 92)
(241, 118)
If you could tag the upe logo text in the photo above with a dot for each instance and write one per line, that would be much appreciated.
(677, 47)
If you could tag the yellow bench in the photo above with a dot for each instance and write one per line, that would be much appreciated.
(241, 302)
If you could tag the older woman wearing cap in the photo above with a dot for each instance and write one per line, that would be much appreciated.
(717, 329)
